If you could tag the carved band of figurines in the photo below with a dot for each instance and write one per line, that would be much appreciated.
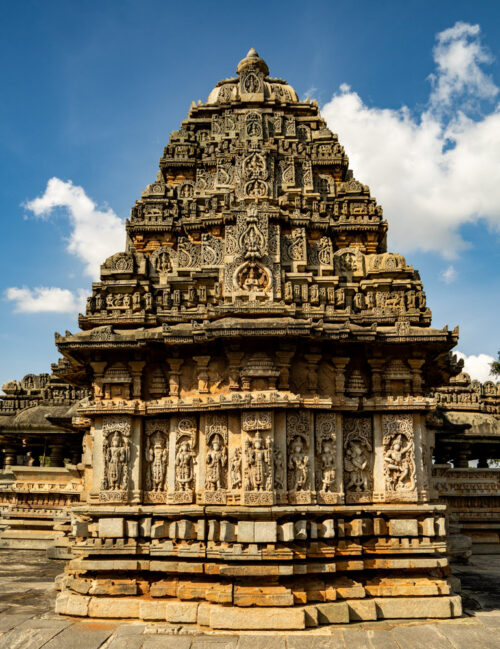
(261, 465)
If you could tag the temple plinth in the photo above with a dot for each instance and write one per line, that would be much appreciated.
(260, 369)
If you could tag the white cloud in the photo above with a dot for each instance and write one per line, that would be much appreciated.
(95, 234)
(46, 299)
(458, 55)
(449, 275)
(433, 171)
(478, 366)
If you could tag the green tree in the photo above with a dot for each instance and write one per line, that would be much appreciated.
(495, 366)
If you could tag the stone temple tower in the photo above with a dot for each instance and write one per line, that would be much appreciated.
(256, 450)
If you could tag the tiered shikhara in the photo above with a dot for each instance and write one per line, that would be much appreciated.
(259, 365)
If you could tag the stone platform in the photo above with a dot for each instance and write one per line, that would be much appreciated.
(27, 620)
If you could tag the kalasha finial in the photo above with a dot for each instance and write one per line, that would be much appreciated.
(252, 58)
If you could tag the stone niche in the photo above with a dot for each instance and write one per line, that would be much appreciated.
(260, 369)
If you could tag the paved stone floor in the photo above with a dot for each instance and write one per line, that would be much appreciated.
(27, 620)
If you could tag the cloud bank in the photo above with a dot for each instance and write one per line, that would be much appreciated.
(478, 366)
(45, 300)
(95, 234)
(435, 170)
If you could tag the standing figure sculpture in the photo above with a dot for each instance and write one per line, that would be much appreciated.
(157, 456)
(216, 461)
(184, 466)
(356, 464)
(258, 462)
(327, 467)
(298, 464)
(116, 458)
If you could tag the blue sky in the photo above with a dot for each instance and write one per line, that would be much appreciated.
(91, 91)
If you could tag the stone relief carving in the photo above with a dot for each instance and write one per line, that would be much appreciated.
(257, 425)
(326, 456)
(358, 458)
(298, 433)
(216, 435)
(399, 452)
(156, 457)
(185, 460)
(116, 456)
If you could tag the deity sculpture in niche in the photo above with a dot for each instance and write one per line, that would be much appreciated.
(325, 457)
(156, 455)
(298, 465)
(358, 449)
(116, 455)
(185, 460)
(258, 455)
(216, 459)
(235, 469)
(399, 455)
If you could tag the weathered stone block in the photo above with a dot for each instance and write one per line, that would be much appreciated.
(132, 529)
(333, 613)
(379, 527)
(416, 607)
(266, 532)
(259, 618)
(113, 587)
(403, 527)
(227, 532)
(203, 618)
(67, 604)
(285, 532)
(164, 588)
(246, 532)
(311, 616)
(428, 527)
(145, 527)
(300, 530)
(327, 529)
(200, 529)
(160, 530)
(262, 596)
(362, 609)
(186, 612)
(111, 528)
(185, 529)
(80, 529)
(213, 530)
(114, 607)
(152, 610)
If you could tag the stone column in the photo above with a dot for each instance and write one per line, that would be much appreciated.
(136, 368)
(98, 367)
(462, 455)
(174, 375)
(312, 371)
(283, 359)
(340, 364)
(376, 365)
(56, 453)
(416, 374)
(234, 356)
(10, 456)
(202, 371)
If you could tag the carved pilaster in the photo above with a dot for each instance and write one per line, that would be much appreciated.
(175, 365)
(202, 371)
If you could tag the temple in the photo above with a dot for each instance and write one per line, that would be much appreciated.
(257, 445)
(40, 452)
